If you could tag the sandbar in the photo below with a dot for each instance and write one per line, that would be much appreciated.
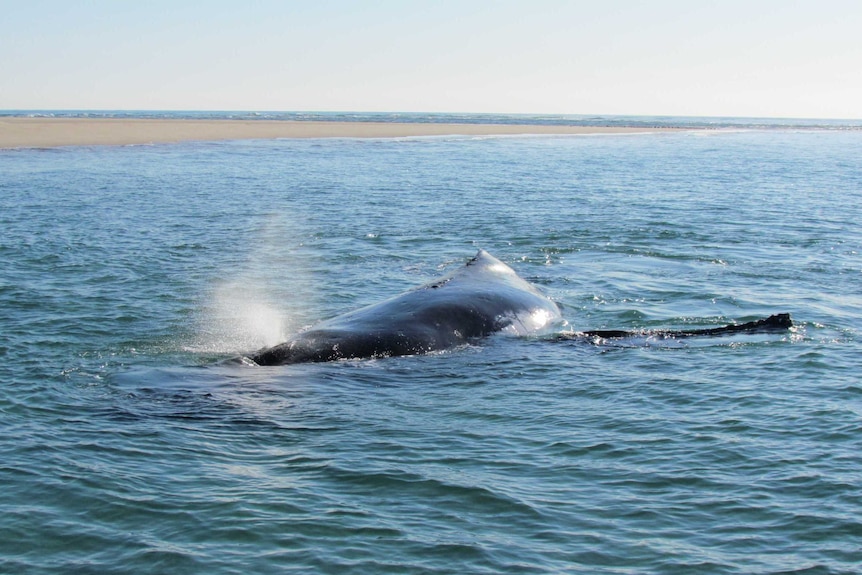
(37, 132)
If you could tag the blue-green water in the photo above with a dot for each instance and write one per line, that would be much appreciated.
(129, 273)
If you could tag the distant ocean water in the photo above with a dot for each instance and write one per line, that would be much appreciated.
(129, 273)
(466, 118)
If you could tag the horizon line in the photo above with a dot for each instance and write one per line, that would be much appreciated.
(253, 111)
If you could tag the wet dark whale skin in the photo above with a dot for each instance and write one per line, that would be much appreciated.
(481, 298)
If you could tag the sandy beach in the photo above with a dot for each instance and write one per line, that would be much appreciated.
(18, 132)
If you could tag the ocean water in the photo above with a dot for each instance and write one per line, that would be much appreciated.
(469, 118)
(130, 274)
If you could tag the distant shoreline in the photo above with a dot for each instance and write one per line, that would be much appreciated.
(41, 132)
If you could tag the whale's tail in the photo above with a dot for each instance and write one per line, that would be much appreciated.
(773, 323)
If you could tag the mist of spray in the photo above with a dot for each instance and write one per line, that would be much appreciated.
(239, 318)
(258, 303)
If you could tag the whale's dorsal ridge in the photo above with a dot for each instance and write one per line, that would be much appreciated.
(471, 302)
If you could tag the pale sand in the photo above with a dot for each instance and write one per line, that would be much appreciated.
(17, 132)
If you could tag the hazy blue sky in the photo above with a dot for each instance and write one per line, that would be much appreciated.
(779, 58)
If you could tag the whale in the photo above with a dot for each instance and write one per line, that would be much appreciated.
(483, 297)
(479, 299)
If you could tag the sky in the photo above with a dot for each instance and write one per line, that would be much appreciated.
(751, 58)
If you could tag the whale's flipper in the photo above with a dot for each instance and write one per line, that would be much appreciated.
(777, 322)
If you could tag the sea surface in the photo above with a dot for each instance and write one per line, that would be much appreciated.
(702, 122)
(132, 275)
